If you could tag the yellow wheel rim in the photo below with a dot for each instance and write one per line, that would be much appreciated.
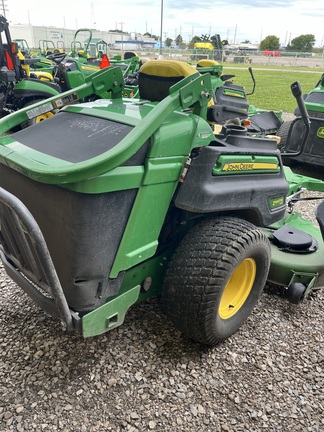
(44, 117)
(237, 289)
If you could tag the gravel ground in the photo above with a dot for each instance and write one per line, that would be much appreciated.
(146, 376)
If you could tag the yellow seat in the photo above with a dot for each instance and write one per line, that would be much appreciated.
(157, 76)
(207, 63)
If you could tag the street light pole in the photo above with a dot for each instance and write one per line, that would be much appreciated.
(161, 28)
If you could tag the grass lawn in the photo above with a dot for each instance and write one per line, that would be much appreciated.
(272, 89)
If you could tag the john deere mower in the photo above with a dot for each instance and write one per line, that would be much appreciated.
(230, 103)
(292, 134)
(113, 201)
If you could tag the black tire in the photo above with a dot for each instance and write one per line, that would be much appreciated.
(283, 134)
(296, 292)
(211, 260)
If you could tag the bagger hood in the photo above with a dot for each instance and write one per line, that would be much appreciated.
(87, 140)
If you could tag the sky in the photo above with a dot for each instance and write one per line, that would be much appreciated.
(234, 20)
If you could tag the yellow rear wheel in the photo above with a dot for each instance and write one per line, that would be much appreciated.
(237, 289)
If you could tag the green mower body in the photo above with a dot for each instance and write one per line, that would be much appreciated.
(106, 199)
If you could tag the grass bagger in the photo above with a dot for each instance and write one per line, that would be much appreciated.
(113, 201)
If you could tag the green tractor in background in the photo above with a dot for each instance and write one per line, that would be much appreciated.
(17, 88)
(22, 84)
(116, 200)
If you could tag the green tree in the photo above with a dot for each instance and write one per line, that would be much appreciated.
(193, 41)
(178, 40)
(270, 42)
(303, 43)
(151, 36)
(168, 42)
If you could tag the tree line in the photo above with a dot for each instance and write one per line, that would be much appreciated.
(302, 43)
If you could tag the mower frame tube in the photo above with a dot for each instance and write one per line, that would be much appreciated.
(34, 251)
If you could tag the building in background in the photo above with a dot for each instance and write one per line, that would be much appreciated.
(63, 37)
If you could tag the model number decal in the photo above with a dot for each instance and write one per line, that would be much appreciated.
(59, 103)
(39, 110)
(320, 132)
(277, 202)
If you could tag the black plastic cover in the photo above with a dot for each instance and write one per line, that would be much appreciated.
(249, 194)
(73, 137)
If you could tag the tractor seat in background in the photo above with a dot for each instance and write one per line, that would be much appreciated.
(205, 63)
(157, 76)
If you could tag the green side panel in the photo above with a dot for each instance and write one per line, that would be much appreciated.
(36, 86)
(173, 137)
(121, 178)
(232, 164)
(140, 243)
(297, 181)
(149, 275)
(109, 315)
(89, 69)
(75, 78)
(163, 170)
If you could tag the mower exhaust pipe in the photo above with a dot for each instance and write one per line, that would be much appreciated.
(298, 95)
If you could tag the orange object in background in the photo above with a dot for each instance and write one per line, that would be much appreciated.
(104, 62)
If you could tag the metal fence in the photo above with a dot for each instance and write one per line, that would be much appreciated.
(291, 59)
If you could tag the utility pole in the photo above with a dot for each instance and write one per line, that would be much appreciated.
(161, 27)
(4, 7)
(235, 33)
(92, 18)
(122, 35)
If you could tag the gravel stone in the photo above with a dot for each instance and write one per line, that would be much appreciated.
(145, 375)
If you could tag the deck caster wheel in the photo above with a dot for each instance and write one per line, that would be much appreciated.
(296, 292)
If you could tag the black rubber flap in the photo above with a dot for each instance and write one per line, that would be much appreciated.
(264, 122)
(293, 239)
(73, 137)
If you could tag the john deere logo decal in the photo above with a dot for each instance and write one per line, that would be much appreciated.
(249, 166)
(320, 132)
